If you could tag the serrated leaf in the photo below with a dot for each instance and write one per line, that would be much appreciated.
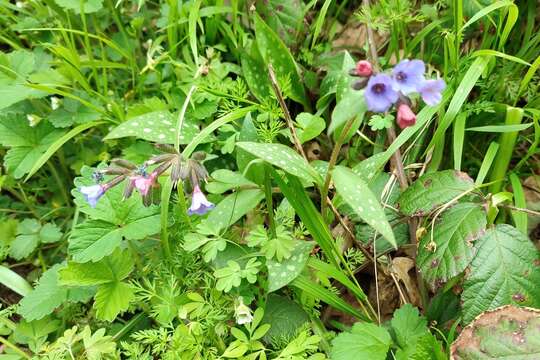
(453, 243)
(45, 297)
(157, 126)
(94, 239)
(283, 157)
(364, 341)
(49, 233)
(408, 326)
(504, 271)
(282, 273)
(359, 197)
(111, 299)
(506, 333)
(433, 190)
(26, 143)
(274, 52)
(285, 317)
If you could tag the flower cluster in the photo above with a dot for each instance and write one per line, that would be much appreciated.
(146, 182)
(384, 90)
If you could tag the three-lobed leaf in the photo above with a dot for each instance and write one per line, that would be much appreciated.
(364, 341)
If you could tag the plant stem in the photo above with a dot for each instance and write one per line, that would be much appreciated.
(332, 163)
(269, 202)
(14, 348)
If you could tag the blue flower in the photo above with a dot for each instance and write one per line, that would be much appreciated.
(408, 76)
(199, 204)
(92, 193)
(379, 93)
(431, 91)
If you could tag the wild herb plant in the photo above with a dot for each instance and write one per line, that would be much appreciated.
(269, 179)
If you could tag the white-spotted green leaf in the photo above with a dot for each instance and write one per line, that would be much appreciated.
(368, 168)
(232, 208)
(453, 243)
(433, 190)
(505, 270)
(282, 273)
(274, 52)
(157, 126)
(356, 193)
(283, 157)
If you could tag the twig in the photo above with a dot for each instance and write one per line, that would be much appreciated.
(286, 113)
(528, 211)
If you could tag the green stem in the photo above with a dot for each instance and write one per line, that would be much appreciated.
(183, 204)
(507, 143)
(14, 348)
(60, 184)
(269, 202)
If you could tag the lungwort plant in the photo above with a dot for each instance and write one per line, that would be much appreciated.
(277, 179)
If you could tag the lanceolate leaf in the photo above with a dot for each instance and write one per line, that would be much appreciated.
(433, 190)
(282, 273)
(359, 197)
(276, 53)
(157, 126)
(504, 271)
(447, 251)
(283, 157)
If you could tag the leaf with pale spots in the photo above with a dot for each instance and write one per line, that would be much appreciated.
(282, 273)
(368, 168)
(505, 270)
(157, 126)
(274, 52)
(447, 251)
(283, 157)
(433, 190)
(356, 193)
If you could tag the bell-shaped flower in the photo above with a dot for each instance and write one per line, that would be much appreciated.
(431, 91)
(92, 193)
(379, 93)
(408, 76)
(364, 68)
(143, 183)
(405, 116)
(199, 204)
(242, 313)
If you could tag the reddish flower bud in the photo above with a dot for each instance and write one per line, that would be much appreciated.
(405, 116)
(364, 68)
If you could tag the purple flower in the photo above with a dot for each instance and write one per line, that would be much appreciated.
(199, 204)
(408, 76)
(379, 93)
(143, 183)
(92, 193)
(431, 91)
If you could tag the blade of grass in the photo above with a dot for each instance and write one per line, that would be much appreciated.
(459, 137)
(501, 128)
(14, 281)
(320, 21)
(192, 29)
(486, 163)
(520, 218)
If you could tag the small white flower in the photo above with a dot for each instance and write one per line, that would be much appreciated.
(33, 120)
(242, 313)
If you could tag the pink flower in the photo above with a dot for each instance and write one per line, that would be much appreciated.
(199, 204)
(364, 68)
(405, 116)
(143, 183)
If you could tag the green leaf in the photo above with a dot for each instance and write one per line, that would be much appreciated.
(285, 318)
(14, 281)
(113, 296)
(337, 80)
(157, 126)
(256, 75)
(359, 197)
(27, 239)
(49, 233)
(26, 143)
(274, 52)
(111, 299)
(282, 273)
(351, 105)
(232, 208)
(283, 157)
(89, 6)
(97, 346)
(46, 296)
(72, 112)
(285, 17)
(504, 271)
(408, 326)
(447, 251)
(228, 277)
(225, 180)
(279, 246)
(309, 126)
(500, 128)
(364, 341)
(433, 190)
(506, 333)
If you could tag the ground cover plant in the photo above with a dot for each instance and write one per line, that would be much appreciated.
(273, 179)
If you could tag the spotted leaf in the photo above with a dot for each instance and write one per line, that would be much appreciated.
(282, 273)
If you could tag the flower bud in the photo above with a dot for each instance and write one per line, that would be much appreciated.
(405, 116)
(364, 68)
